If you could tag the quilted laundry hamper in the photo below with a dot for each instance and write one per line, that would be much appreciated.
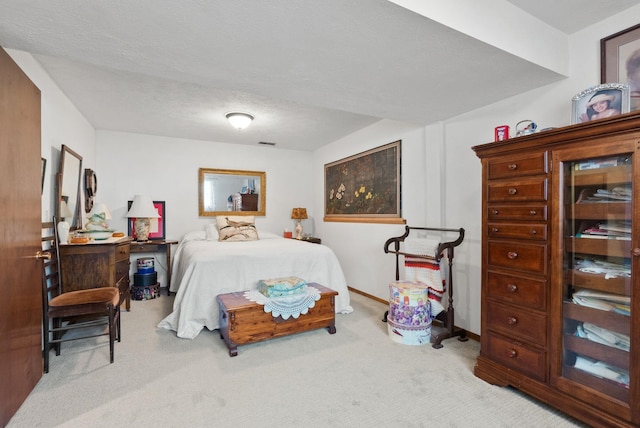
(409, 320)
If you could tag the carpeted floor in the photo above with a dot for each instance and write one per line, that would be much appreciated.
(357, 377)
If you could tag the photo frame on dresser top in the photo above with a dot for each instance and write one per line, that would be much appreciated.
(600, 102)
(365, 187)
(157, 231)
(620, 61)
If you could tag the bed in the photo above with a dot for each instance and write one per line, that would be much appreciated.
(204, 268)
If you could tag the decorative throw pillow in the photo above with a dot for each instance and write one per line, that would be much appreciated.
(236, 228)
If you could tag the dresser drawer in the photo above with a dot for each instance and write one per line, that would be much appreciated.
(518, 166)
(525, 190)
(122, 252)
(517, 355)
(517, 231)
(528, 292)
(517, 323)
(537, 212)
(519, 256)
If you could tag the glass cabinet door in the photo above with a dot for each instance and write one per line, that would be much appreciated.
(596, 222)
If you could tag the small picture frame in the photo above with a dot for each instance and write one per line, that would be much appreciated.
(501, 133)
(157, 229)
(600, 102)
(620, 61)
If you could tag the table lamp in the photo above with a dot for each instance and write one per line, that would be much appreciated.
(63, 225)
(143, 210)
(299, 214)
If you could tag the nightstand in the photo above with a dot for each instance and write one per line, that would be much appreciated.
(312, 240)
(155, 246)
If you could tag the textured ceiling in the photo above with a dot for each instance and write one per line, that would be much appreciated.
(309, 71)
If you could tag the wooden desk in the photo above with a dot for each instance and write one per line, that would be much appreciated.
(155, 246)
(97, 264)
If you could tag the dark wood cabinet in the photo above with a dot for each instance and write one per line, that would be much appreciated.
(249, 202)
(98, 264)
(560, 253)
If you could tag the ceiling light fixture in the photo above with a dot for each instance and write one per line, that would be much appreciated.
(239, 120)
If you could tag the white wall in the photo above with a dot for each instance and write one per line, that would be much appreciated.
(359, 246)
(62, 123)
(451, 174)
(167, 169)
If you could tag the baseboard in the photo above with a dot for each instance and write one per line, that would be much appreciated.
(370, 296)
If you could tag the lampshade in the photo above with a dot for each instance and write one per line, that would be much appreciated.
(101, 208)
(239, 120)
(299, 213)
(64, 210)
(142, 207)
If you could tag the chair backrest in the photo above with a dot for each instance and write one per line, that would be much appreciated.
(51, 282)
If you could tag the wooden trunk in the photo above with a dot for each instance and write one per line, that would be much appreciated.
(243, 321)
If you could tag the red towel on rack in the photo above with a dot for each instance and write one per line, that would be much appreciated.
(426, 270)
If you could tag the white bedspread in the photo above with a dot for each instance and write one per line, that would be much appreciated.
(203, 269)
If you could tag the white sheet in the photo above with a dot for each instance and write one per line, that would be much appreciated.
(203, 269)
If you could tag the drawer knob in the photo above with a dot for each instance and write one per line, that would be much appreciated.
(494, 229)
(533, 212)
(512, 288)
(494, 212)
(512, 191)
(512, 167)
(512, 353)
(534, 232)
(512, 255)
(512, 320)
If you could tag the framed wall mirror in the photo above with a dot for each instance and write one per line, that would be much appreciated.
(235, 192)
(68, 192)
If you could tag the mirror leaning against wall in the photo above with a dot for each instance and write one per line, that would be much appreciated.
(235, 192)
(68, 189)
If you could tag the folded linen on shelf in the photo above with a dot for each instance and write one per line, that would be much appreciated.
(603, 267)
(603, 301)
(602, 370)
(603, 336)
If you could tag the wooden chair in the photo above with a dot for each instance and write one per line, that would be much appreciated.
(82, 310)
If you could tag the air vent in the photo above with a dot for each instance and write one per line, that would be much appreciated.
(266, 143)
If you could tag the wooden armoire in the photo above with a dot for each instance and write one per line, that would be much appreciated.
(560, 259)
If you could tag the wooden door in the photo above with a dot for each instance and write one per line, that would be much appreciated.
(20, 229)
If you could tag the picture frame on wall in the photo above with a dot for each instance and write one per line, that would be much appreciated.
(620, 62)
(157, 230)
(600, 102)
(365, 187)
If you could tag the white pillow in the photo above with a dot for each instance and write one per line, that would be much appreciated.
(211, 230)
(197, 235)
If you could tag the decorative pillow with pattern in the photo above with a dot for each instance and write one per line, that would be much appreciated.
(237, 228)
